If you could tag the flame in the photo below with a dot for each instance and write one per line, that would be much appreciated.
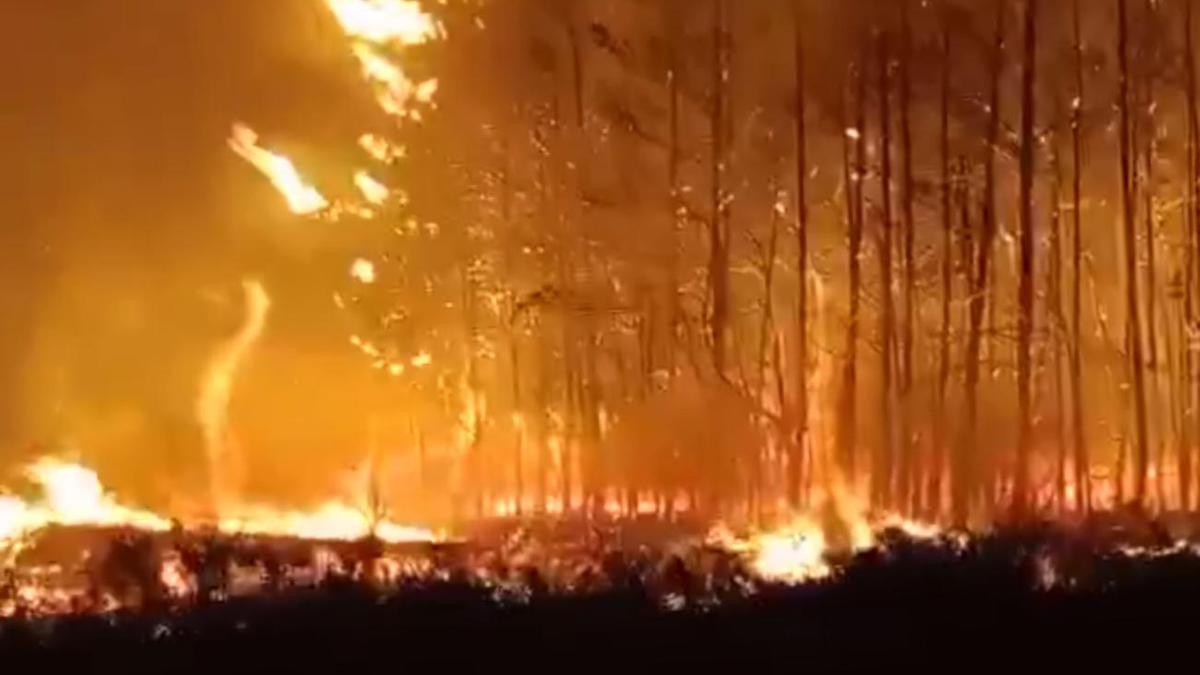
(213, 402)
(797, 552)
(363, 271)
(912, 528)
(372, 190)
(302, 198)
(333, 521)
(384, 21)
(474, 411)
(395, 89)
(175, 577)
(426, 91)
(792, 554)
(75, 496)
(394, 533)
(14, 516)
(380, 149)
(376, 24)
(71, 494)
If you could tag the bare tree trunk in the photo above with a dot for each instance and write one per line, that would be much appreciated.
(595, 473)
(781, 396)
(907, 442)
(518, 429)
(478, 469)
(801, 207)
(574, 480)
(766, 324)
(1057, 323)
(934, 471)
(568, 334)
(587, 391)
(542, 430)
(677, 220)
(1132, 297)
(506, 199)
(1025, 289)
(854, 178)
(544, 348)
(882, 473)
(674, 202)
(1082, 462)
(576, 73)
(966, 235)
(1155, 425)
(967, 260)
(718, 264)
(1193, 202)
(966, 478)
(766, 331)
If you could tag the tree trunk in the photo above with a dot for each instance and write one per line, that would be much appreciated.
(1083, 502)
(1025, 289)
(543, 430)
(801, 436)
(853, 178)
(564, 282)
(907, 442)
(594, 470)
(676, 319)
(882, 472)
(934, 471)
(766, 331)
(587, 392)
(478, 470)
(1193, 200)
(1057, 322)
(718, 263)
(966, 476)
(1156, 433)
(518, 428)
(506, 200)
(547, 347)
(1132, 296)
(674, 203)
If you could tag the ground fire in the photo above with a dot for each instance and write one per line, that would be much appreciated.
(702, 308)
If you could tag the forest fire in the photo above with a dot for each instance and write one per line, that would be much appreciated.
(703, 308)
(301, 198)
(72, 495)
(384, 21)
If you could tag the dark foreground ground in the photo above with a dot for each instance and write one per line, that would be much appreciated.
(913, 605)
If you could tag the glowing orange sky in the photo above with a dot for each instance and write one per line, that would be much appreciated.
(128, 224)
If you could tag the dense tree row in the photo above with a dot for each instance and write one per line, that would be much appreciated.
(735, 256)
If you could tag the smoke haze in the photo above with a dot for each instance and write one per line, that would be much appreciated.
(129, 226)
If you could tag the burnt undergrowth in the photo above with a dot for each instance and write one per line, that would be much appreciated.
(1031, 600)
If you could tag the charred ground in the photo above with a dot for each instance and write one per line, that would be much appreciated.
(1040, 595)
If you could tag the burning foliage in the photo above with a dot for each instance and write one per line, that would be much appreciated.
(77, 550)
(579, 582)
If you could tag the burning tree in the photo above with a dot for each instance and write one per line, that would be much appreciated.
(741, 259)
